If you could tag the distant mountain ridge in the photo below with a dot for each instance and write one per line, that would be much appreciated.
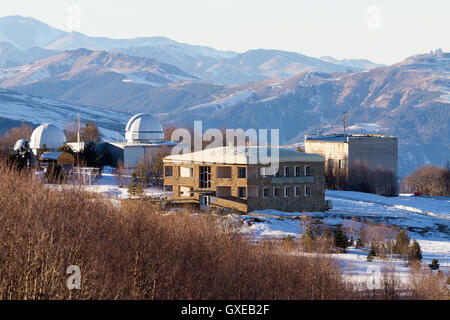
(206, 63)
(180, 83)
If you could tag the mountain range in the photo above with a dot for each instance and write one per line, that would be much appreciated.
(180, 83)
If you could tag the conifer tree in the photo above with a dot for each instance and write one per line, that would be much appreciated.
(340, 239)
(415, 252)
(434, 265)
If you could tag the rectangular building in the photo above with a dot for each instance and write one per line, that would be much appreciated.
(340, 151)
(224, 178)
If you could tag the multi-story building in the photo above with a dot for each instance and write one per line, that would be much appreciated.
(341, 151)
(229, 179)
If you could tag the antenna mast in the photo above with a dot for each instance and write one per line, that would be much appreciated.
(345, 122)
(78, 130)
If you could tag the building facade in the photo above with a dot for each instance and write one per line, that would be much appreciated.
(341, 151)
(243, 185)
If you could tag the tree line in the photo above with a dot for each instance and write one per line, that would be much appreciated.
(429, 180)
(361, 178)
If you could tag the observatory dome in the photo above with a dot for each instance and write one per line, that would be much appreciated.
(49, 135)
(143, 128)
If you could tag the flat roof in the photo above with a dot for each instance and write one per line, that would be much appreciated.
(343, 138)
(245, 155)
(136, 144)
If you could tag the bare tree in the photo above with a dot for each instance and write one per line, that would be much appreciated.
(428, 180)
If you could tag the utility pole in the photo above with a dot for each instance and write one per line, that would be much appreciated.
(345, 122)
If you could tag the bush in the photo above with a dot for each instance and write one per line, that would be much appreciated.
(139, 252)
(434, 265)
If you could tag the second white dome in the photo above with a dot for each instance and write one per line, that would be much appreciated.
(144, 128)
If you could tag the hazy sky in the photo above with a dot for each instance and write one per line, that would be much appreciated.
(385, 31)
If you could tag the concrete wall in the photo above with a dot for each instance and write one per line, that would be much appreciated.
(378, 151)
(330, 150)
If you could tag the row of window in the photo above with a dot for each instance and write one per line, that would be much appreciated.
(286, 171)
(242, 192)
(287, 192)
(242, 171)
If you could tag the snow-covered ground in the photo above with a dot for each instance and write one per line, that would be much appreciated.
(427, 220)
(108, 185)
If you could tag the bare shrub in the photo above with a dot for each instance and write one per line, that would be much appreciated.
(139, 252)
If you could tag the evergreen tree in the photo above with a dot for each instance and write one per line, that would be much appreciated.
(340, 239)
(106, 158)
(372, 254)
(402, 243)
(434, 265)
(134, 186)
(308, 239)
(90, 156)
(22, 158)
(415, 252)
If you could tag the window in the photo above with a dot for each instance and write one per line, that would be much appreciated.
(265, 192)
(297, 191)
(286, 171)
(276, 192)
(168, 171)
(307, 171)
(204, 177)
(242, 172)
(242, 192)
(297, 171)
(341, 164)
(307, 190)
(168, 188)
(286, 192)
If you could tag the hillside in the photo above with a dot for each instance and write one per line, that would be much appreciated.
(410, 100)
(16, 107)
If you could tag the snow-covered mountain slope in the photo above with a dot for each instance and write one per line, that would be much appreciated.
(37, 110)
(83, 64)
(10, 56)
(362, 64)
(25, 33)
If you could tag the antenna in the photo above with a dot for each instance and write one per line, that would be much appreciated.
(345, 122)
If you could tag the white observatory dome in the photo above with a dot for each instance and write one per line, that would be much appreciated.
(49, 135)
(143, 128)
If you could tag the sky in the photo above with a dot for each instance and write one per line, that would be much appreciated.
(384, 31)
